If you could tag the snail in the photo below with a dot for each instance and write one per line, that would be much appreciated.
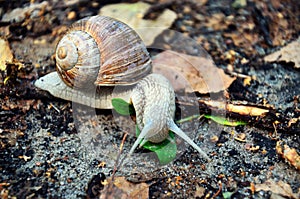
(99, 53)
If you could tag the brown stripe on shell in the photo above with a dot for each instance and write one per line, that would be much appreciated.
(124, 57)
(84, 72)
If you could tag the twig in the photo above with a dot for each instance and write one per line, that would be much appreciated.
(118, 162)
(219, 191)
(117, 165)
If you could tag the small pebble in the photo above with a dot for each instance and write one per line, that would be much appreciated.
(71, 15)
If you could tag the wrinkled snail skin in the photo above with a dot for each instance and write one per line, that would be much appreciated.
(99, 98)
(153, 99)
(116, 58)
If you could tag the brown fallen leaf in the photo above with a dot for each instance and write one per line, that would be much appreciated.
(200, 191)
(289, 53)
(289, 154)
(191, 73)
(121, 188)
(5, 54)
(133, 13)
(278, 188)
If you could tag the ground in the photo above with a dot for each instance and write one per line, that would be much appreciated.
(51, 148)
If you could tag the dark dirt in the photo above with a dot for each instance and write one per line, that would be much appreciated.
(44, 141)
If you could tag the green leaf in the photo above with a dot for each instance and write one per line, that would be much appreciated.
(224, 121)
(165, 150)
(188, 118)
(167, 153)
(122, 107)
(227, 195)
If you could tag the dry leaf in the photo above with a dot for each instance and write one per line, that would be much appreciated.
(289, 53)
(200, 191)
(122, 188)
(191, 73)
(289, 154)
(132, 14)
(5, 54)
(281, 188)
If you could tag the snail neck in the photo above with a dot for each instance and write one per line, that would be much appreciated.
(153, 99)
(97, 97)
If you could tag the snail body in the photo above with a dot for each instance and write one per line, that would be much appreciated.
(100, 53)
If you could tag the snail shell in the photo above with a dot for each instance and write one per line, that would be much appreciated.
(106, 42)
(99, 51)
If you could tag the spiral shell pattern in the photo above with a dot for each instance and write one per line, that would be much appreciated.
(101, 50)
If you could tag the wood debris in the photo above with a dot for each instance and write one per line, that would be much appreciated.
(289, 154)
